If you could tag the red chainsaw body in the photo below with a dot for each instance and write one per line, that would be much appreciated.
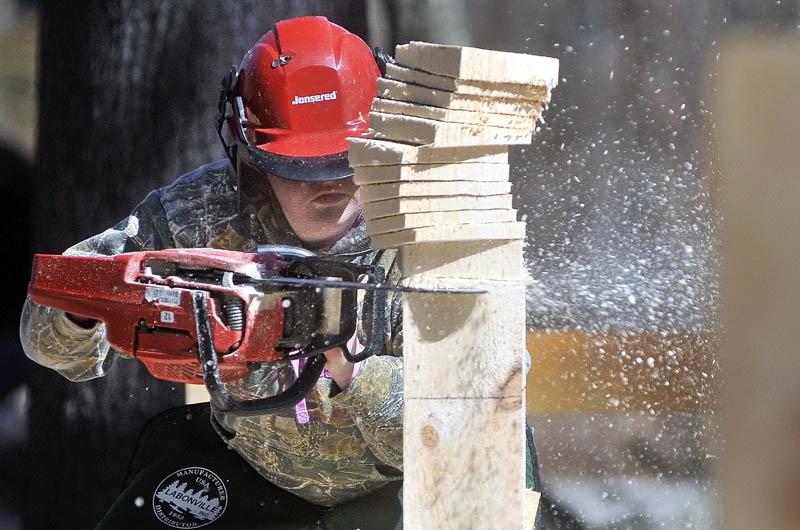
(145, 301)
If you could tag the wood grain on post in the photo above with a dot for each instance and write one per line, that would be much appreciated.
(464, 388)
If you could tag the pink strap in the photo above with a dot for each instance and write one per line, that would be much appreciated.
(301, 409)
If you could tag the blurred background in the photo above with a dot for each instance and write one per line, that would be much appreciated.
(101, 101)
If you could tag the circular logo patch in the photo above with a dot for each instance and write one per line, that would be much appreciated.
(190, 498)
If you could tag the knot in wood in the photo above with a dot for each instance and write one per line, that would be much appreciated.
(512, 392)
(429, 436)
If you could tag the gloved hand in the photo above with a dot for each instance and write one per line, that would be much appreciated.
(343, 371)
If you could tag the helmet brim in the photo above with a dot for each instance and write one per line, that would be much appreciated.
(304, 169)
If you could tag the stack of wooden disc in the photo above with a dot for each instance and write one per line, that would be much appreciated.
(436, 165)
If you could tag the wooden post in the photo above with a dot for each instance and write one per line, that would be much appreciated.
(464, 441)
(434, 182)
(758, 123)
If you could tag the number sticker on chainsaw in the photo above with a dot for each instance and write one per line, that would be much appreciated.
(163, 295)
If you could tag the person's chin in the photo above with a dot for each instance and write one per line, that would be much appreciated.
(328, 229)
(318, 241)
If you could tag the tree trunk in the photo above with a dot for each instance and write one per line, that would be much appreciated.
(128, 92)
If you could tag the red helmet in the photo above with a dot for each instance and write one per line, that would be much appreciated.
(299, 93)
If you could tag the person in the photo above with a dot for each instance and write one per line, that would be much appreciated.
(285, 115)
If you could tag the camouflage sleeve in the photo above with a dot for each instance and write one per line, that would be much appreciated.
(53, 340)
(375, 396)
(375, 401)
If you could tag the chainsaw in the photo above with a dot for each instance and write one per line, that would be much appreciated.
(209, 316)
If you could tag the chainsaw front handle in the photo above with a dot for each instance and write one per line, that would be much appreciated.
(375, 302)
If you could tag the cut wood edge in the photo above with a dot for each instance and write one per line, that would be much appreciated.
(396, 190)
(444, 134)
(467, 171)
(396, 223)
(537, 93)
(478, 64)
(397, 90)
(375, 152)
(375, 210)
(466, 260)
(471, 117)
(440, 234)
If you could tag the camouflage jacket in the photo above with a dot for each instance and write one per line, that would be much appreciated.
(351, 442)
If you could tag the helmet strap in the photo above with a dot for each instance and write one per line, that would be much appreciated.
(227, 97)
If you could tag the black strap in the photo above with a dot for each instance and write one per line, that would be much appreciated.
(537, 481)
